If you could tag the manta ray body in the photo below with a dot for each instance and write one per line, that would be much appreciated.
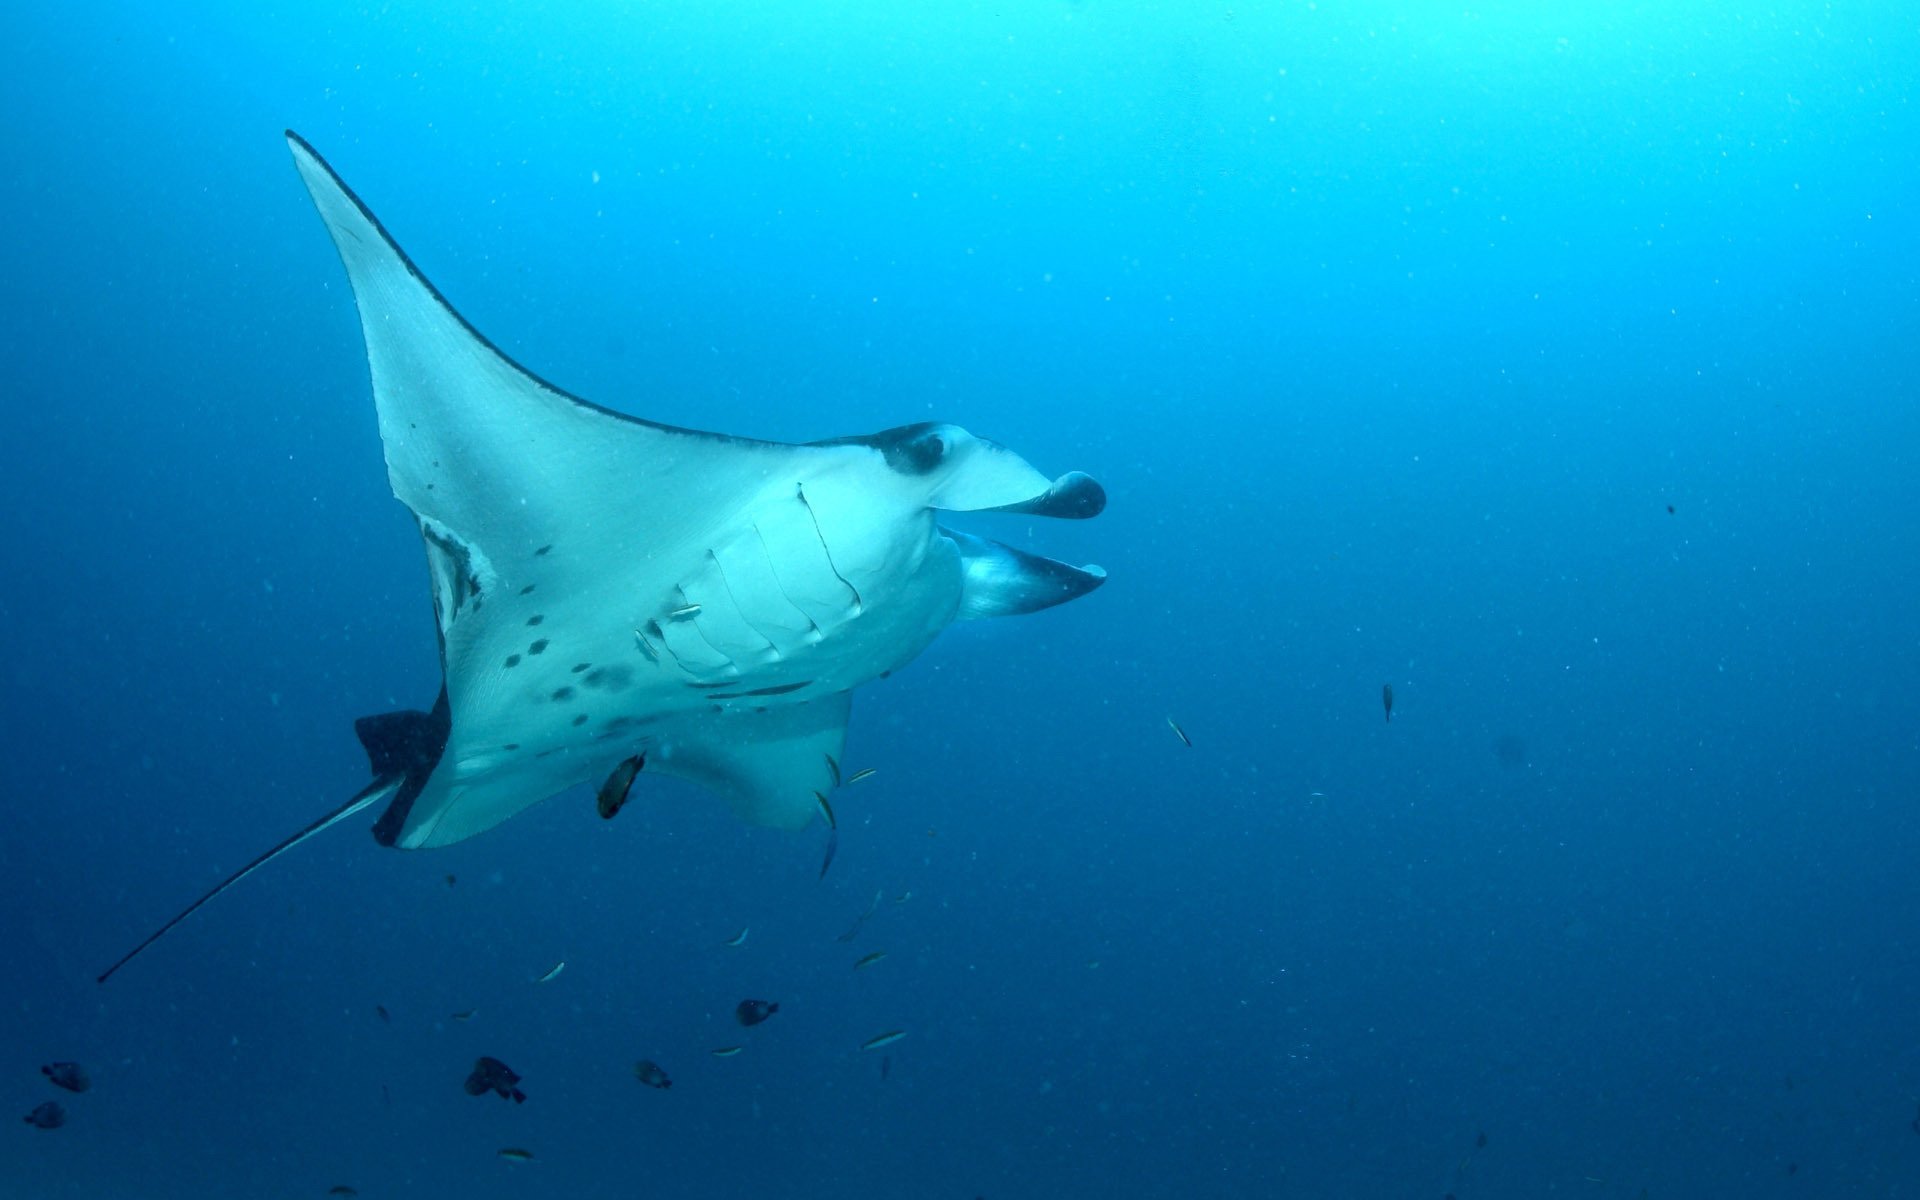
(611, 592)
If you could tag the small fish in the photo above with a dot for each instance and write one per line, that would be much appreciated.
(465, 1014)
(492, 1075)
(515, 1154)
(1669, 510)
(685, 612)
(885, 1039)
(341, 1189)
(649, 1072)
(612, 796)
(853, 930)
(833, 766)
(1480, 1143)
(554, 974)
(739, 939)
(903, 897)
(868, 960)
(862, 773)
(1179, 733)
(380, 1010)
(752, 1012)
(646, 647)
(68, 1075)
(727, 1051)
(833, 832)
(1386, 699)
(49, 1115)
(451, 880)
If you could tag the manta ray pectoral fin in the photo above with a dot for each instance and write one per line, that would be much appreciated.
(767, 764)
(372, 794)
(1000, 581)
(501, 467)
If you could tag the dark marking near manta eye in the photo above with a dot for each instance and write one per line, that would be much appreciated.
(542, 551)
(565, 693)
(581, 719)
(527, 590)
(535, 619)
(513, 660)
(909, 449)
(539, 647)
(922, 453)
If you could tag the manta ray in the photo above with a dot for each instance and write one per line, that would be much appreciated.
(615, 595)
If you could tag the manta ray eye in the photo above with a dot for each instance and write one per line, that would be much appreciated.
(926, 451)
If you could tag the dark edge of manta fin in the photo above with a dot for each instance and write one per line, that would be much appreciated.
(405, 746)
(301, 146)
(366, 796)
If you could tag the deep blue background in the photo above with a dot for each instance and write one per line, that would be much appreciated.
(1392, 336)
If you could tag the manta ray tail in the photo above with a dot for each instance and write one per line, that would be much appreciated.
(371, 794)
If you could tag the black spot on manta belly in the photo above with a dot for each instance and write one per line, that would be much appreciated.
(563, 693)
(527, 590)
(539, 647)
(511, 746)
(513, 660)
(535, 619)
(580, 719)
(611, 679)
(542, 551)
(579, 667)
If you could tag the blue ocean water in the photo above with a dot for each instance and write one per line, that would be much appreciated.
(1553, 364)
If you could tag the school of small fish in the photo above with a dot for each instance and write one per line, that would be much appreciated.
(491, 1075)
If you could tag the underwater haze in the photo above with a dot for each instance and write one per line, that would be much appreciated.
(1553, 365)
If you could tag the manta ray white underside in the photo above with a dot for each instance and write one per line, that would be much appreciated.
(611, 591)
